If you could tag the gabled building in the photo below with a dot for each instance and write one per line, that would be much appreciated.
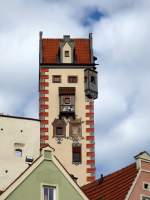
(45, 179)
(129, 183)
(68, 87)
(19, 146)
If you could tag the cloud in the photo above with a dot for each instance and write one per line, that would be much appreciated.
(121, 41)
(121, 33)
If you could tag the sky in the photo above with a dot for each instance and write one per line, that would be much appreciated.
(121, 41)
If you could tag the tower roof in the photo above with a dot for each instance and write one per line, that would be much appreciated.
(50, 50)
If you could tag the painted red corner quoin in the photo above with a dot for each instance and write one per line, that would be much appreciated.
(90, 145)
(43, 104)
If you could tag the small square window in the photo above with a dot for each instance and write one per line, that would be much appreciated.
(49, 193)
(67, 100)
(59, 131)
(56, 79)
(146, 186)
(18, 152)
(66, 53)
(72, 79)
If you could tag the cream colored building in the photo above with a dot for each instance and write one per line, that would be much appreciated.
(19, 144)
(68, 87)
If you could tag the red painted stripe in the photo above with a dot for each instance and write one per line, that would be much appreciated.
(90, 178)
(90, 122)
(90, 170)
(44, 84)
(43, 106)
(44, 91)
(89, 162)
(89, 114)
(90, 130)
(43, 114)
(44, 121)
(90, 146)
(89, 107)
(44, 98)
(90, 137)
(44, 77)
(43, 70)
(44, 130)
(44, 137)
(90, 154)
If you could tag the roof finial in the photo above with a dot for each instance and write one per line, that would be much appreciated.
(40, 34)
(101, 179)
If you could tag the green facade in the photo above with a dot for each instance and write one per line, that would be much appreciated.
(49, 174)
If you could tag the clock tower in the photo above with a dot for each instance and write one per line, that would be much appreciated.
(68, 87)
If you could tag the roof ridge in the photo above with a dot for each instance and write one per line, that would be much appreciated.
(119, 170)
(113, 173)
(18, 117)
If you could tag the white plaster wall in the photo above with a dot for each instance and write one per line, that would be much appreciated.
(11, 134)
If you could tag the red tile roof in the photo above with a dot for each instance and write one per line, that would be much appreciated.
(113, 187)
(50, 51)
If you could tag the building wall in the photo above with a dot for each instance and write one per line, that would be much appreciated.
(16, 133)
(144, 177)
(45, 174)
(84, 111)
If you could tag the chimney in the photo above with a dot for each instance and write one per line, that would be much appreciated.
(66, 38)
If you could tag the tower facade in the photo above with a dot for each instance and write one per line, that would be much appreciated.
(68, 87)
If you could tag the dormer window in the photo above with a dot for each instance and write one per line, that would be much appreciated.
(67, 50)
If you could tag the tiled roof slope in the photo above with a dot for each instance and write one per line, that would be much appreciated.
(50, 50)
(113, 187)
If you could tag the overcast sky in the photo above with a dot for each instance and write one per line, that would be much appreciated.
(121, 33)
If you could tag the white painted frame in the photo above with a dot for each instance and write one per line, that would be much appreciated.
(143, 195)
(56, 194)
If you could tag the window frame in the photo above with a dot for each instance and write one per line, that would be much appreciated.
(62, 131)
(66, 53)
(71, 77)
(56, 76)
(18, 150)
(61, 124)
(55, 186)
(73, 146)
(144, 196)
